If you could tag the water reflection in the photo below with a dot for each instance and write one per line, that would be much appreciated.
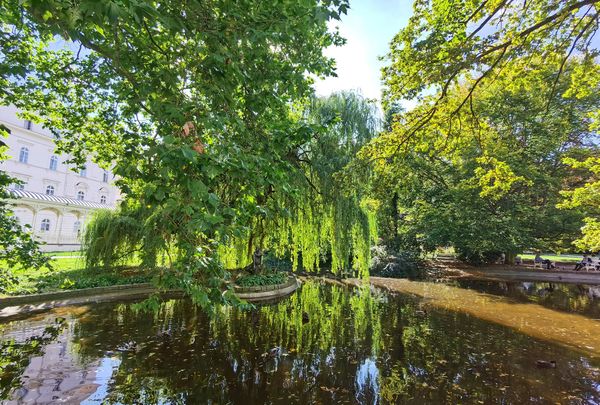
(582, 299)
(322, 345)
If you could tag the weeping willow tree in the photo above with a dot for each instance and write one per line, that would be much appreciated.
(119, 237)
(323, 223)
(318, 224)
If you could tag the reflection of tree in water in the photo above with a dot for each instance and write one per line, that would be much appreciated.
(454, 358)
(325, 344)
(579, 298)
(237, 355)
(14, 355)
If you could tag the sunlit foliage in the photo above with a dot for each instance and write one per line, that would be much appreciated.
(487, 180)
(191, 102)
(323, 222)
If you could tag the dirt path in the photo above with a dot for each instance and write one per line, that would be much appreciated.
(447, 268)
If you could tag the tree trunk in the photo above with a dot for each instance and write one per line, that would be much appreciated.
(509, 258)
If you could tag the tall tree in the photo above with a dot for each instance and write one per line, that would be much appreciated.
(488, 179)
(190, 100)
(449, 59)
(586, 196)
(324, 221)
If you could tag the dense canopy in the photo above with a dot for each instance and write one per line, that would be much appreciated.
(224, 155)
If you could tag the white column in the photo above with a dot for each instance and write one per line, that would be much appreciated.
(34, 220)
(59, 224)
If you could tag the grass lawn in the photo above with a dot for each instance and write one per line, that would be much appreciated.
(68, 274)
(58, 254)
(555, 258)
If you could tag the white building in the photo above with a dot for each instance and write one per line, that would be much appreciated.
(54, 200)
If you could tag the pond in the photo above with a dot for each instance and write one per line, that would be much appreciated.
(574, 298)
(323, 344)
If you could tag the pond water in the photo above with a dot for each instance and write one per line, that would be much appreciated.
(575, 298)
(323, 344)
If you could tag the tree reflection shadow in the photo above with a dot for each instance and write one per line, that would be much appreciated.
(324, 344)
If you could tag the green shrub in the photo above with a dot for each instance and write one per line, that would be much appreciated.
(262, 279)
(396, 264)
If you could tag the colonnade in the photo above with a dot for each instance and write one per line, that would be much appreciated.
(66, 223)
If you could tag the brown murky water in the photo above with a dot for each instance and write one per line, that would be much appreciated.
(444, 345)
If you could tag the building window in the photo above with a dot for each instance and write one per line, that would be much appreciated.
(50, 190)
(27, 125)
(83, 172)
(45, 226)
(80, 195)
(53, 162)
(18, 186)
(24, 155)
(77, 227)
(102, 199)
(105, 176)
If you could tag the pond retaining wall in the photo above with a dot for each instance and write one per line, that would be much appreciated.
(13, 306)
(266, 292)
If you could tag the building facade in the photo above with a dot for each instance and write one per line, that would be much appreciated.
(53, 199)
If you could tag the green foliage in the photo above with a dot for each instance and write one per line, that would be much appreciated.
(504, 91)
(324, 222)
(109, 238)
(406, 264)
(333, 217)
(190, 101)
(70, 273)
(488, 180)
(587, 197)
(449, 41)
(262, 279)
(112, 238)
(91, 281)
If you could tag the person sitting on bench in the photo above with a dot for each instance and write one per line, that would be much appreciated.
(586, 259)
(545, 262)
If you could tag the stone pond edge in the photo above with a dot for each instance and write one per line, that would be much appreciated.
(23, 304)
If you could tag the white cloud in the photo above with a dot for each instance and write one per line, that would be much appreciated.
(357, 67)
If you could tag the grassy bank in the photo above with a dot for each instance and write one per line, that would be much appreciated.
(555, 258)
(72, 253)
(67, 273)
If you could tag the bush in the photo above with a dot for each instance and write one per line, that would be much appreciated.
(478, 258)
(262, 279)
(396, 265)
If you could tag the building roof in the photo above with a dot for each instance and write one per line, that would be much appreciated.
(55, 199)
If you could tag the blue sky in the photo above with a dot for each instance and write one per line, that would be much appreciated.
(368, 28)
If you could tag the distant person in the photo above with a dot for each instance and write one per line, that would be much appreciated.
(586, 259)
(501, 259)
(545, 262)
(518, 260)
